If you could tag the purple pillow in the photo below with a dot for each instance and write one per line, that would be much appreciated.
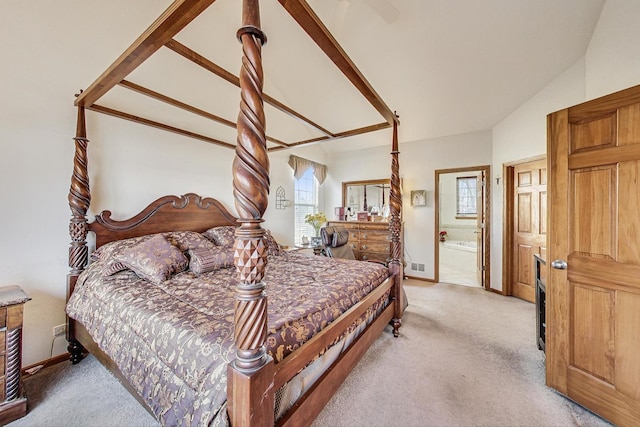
(112, 267)
(206, 260)
(154, 259)
(222, 236)
(187, 240)
(184, 240)
(107, 253)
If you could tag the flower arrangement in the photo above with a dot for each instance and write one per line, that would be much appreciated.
(443, 235)
(316, 221)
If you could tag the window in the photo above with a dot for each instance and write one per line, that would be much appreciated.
(305, 203)
(466, 196)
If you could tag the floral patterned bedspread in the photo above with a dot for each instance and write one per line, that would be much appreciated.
(173, 340)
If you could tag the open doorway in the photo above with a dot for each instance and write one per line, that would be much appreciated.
(462, 201)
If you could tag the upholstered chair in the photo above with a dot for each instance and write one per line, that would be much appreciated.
(335, 240)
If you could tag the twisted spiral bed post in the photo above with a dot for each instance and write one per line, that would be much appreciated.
(79, 200)
(395, 229)
(250, 375)
(14, 355)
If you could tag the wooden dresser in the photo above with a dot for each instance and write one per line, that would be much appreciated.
(370, 241)
(13, 403)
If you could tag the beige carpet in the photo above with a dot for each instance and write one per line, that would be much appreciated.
(465, 357)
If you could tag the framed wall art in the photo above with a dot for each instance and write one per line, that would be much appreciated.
(418, 197)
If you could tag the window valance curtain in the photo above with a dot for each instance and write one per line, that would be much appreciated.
(301, 165)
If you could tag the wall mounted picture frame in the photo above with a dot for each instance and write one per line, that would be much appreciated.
(418, 197)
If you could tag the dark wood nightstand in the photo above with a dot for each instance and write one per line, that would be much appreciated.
(13, 402)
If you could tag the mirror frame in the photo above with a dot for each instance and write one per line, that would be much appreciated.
(345, 184)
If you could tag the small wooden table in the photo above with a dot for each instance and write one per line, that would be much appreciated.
(13, 402)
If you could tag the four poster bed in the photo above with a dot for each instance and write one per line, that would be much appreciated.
(175, 301)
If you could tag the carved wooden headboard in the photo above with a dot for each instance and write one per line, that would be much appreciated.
(169, 213)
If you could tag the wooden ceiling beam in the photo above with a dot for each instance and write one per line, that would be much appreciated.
(126, 116)
(179, 104)
(311, 23)
(345, 134)
(177, 16)
(209, 65)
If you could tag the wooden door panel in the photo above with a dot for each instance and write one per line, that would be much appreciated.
(627, 338)
(593, 134)
(525, 265)
(542, 212)
(602, 398)
(524, 213)
(595, 271)
(592, 211)
(593, 343)
(629, 127)
(628, 227)
(593, 307)
(524, 179)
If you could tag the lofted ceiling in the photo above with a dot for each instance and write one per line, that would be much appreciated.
(446, 66)
(458, 66)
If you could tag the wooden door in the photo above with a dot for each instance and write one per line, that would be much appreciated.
(593, 288)
(529, 225)
(481, 220)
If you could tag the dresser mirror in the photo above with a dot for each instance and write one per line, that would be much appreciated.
(371, 196)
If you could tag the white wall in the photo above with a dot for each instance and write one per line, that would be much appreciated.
(611, 63)
(418, 162)
(523, 135)
(612, 60)
(48, 56)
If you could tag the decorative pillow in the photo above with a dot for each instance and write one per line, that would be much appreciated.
(340, 238)
(273, 248)
(187, 240)
(184, 240)
(206, 260)
(109, 251)
(112, 267)
(221, 236)
(154, 259)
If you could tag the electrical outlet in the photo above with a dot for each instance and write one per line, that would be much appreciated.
(59, 330)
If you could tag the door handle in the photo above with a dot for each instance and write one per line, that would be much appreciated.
(559, 264)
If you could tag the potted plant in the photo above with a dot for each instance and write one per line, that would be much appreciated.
(443, 235)
(316, 221)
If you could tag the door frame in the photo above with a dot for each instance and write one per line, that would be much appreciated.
(487, 226)
(508, 210)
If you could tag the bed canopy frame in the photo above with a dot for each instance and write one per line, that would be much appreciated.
(251, 376)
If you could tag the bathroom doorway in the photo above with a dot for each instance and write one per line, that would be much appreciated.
(462, 201)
